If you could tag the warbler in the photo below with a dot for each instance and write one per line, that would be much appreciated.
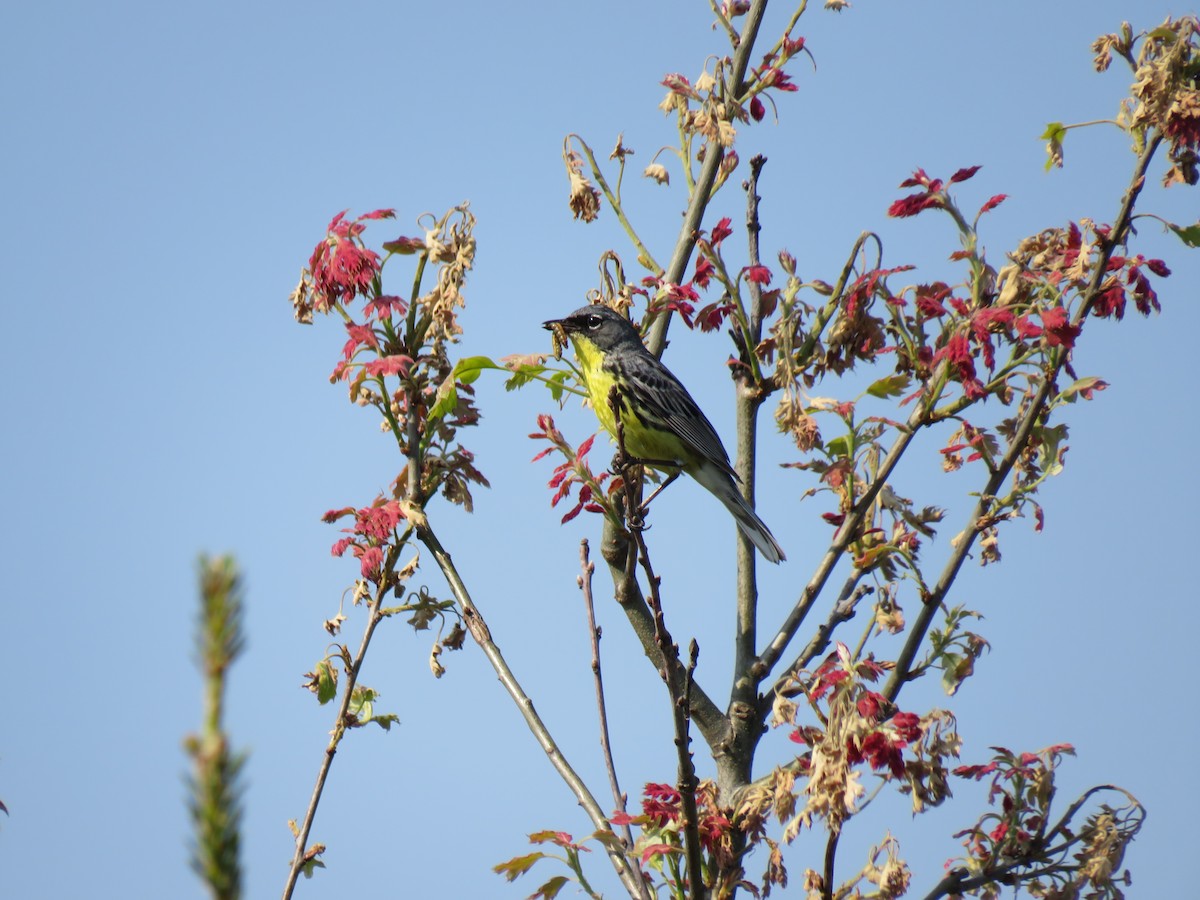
(662, 425)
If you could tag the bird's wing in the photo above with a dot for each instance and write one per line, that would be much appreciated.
(656, 389)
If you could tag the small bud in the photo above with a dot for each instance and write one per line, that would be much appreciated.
(787, 262)
(728, 164)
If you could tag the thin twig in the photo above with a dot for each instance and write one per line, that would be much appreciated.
(619, 798)
(669, 651)
(630, 876)
(374, 617)
(748, 404)
(686, 242)
(846, 534)
(830, 859)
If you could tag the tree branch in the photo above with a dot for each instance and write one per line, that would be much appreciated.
(1021, 435)
(630, 876)
(374, 617)
(619, 798)
(672, 671)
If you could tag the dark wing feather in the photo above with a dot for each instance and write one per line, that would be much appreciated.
(663, 396)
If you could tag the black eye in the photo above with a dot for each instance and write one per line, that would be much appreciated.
(593, 322)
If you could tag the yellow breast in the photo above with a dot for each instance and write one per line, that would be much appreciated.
(598, 381)
(647, 443)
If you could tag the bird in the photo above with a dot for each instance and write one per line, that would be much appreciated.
(662, 425)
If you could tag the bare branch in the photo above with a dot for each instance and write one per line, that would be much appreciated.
(630, 876)
(678, 689)
(374, 617)
(619, 798)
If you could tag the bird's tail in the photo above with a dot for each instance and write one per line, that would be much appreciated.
(719, 483)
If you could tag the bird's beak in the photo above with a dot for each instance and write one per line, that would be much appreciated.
(549, 324)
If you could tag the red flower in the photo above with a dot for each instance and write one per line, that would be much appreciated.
(907, 725)
(1110, 302)
(405, 246)
(882, 752)
(757, 274)
(712, 826)
(826, 676)
(757, 110)
(983, 323)
(1058, 327)
(341, 268)
(1144, 296)
(703, 273)
(370, 561)
(385, 306)
(977, 772)
(359, 334)
(929, 299)
(913, 204)
(721, 231)
(711, 317)
(678, 84)
(778, 79)
(870, 703)
(378, 522)
(1158, 267)
(957, 353)
(992, 203)
(661, 803)
(920, 179)
(389, 365)
(680, 298)
(1026, 328)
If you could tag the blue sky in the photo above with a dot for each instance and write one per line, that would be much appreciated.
(169, 170)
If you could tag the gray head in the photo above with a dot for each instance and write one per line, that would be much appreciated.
(600, 325)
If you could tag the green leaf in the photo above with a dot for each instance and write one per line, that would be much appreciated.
(1162, 33)
(558, 384)
(550, 889)
(517, 866)
(1083, 386)
(891, 386)
(466, 370)
(950, 680)
(1189, 235)
(1053, 135)
(524, 374)
(362, 704)
(470, 368)
(326, 682)
(309, 866)
(446, 399)
(839, 447)
(608, 839)
(1050, 439)
(386, 721)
